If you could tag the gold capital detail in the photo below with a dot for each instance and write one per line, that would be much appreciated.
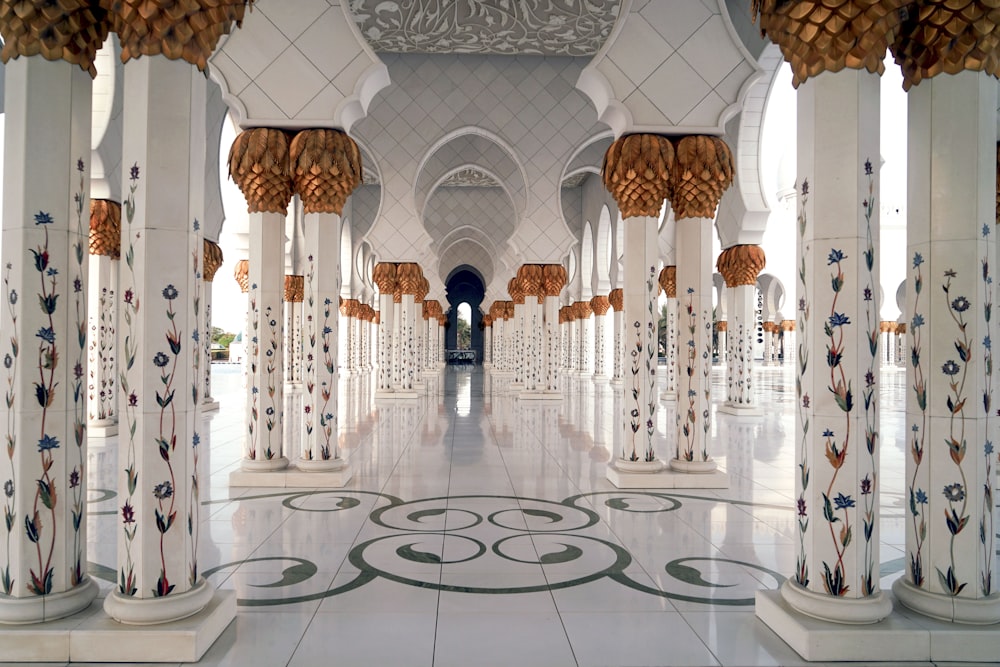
(947, 37)
(636, 171)
(668, 281)
(211, 260)
(384, 275)
(105, 228)
(722, 326)
(583, 309)
(295, 287)
(70, 30)
(703, 169)
(258, 163)
(325, 168)
(741, 264)
(553, 279)
(423, 287)
(186, 30)
(408, 277)
(617, 299)
(532, 279)
(516, 290)
(600, 305)
(818, 36)
(242, 274)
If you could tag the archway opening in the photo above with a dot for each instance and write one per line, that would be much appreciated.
(463, 328)
(465, 287)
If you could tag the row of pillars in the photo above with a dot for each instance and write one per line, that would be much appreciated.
(150, 320)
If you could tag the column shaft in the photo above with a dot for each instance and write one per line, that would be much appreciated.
(44, 322)
(950, 470)
(161, 376)
(837, 358)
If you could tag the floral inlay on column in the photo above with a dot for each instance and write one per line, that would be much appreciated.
(272, 370)
(10, 367)
(987, 533)
(253, 423)
(310, 351)
(802, 363)
(77, 474)
(917, 496)
(130, 312)
(869, 483)
(327, 420)
(643, 356)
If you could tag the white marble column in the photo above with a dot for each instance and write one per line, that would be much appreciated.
(320, 447)
(294, 287)
(740, 265)
(211, 262)
(618, 373)
(585, 338)
(951, 462)
(600, 306)
(43, 551)
(384, 275)
(694, 342)
(158, 578)
(408, 281)
(102, 295)
(837, 488)
(487, 342)
(572, 341)
(517, 364)
(639, 291)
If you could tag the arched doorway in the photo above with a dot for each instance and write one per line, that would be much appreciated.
(465, 285)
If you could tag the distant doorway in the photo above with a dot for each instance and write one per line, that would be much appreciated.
(465, 290)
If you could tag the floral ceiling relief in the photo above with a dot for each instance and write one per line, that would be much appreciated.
(537, 27)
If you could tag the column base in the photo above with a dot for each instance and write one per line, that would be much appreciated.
(668, 396)
(94, 637)
(102, 428)
(740, 410)
(153, 611)
(655, 475)
(897, 638)
(263, 465)
(541, 395)
(210, 405)
(617, 383)
(984, 611)
(601, 379)
(694, 467)
(516, 385)
(42, 609)
(322, 474)
(854, 611)
(384, 394)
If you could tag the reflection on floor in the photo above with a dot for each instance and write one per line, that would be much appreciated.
(480, 530)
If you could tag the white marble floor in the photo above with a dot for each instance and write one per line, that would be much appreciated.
(480, 530)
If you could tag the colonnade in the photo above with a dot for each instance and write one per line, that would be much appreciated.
(949, 64)
(78, 350)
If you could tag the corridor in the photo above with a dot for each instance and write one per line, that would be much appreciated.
(480, 530)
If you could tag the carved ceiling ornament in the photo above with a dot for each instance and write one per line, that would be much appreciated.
(507, 27)
(211, 260)
(703, 170)
(947, 37)
(70, 30)
(295, 289)
(241, 272)
(259, 164)
(554, 279)
(105, 228)
(600, 305)
(668, 281)
(818, 36)
(636, 171)
(741, 264)
(186, 30)
(617, 299)
(384, 275)
(469, 177)
(326, 167)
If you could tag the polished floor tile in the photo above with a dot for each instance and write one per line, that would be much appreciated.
(480, 530)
